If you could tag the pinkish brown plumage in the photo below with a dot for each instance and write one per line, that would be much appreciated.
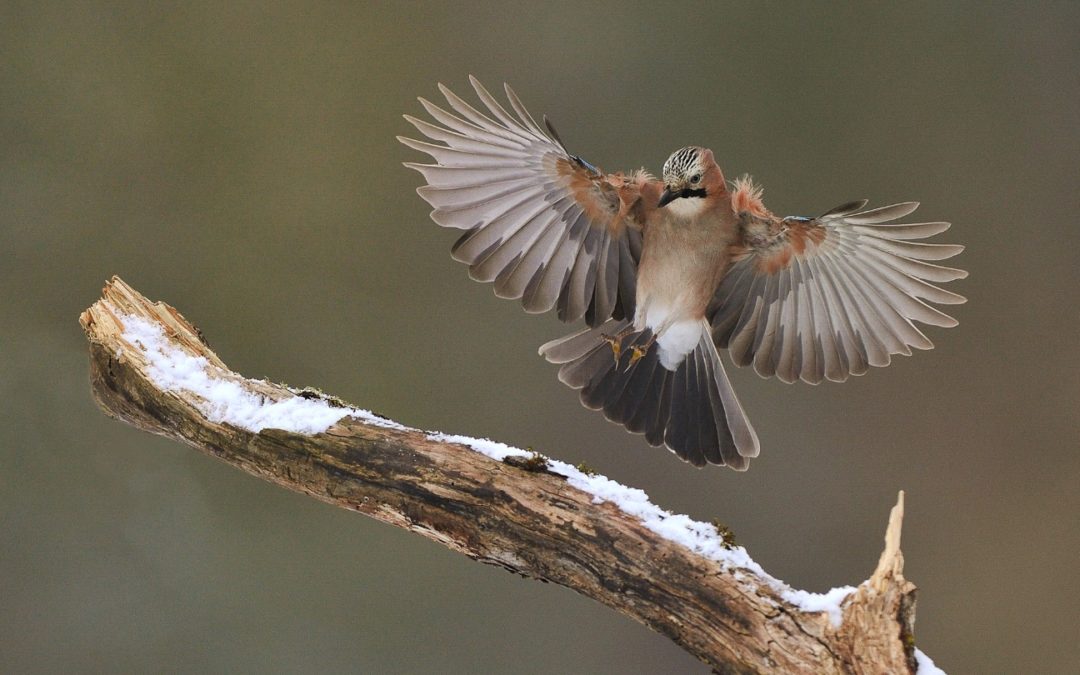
(746, 198)
(665, 272)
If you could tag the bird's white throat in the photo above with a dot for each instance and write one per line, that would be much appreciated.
(686, 207)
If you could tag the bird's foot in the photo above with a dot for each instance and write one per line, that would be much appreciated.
(615, 341)
(638, 352)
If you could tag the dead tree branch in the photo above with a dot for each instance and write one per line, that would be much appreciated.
(515, 514)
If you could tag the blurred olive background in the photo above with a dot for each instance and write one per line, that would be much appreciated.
(239, 162)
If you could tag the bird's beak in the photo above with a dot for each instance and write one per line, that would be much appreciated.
(667, 198)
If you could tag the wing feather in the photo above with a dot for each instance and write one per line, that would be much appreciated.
(455, 139)
(511, 131)
(766, 336)
(784, 341)
(453, 157)
(852, 352)
(870, 331)
(881, 214)
(471, 130)
(829, 297)
(899, 325)
(902, 231)
(805, 354)
(459, 176)
(545, 226)
(506, 225)
(844, 209)
(746, 326)
(492, 210)
(522, 257)
(523, 114)
(530, 271)
(583, 276)
(461, 198)
(552, 284)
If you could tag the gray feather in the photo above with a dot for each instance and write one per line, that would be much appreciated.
(903, 230)
(844, 209)
(496, 137)
(882, 213)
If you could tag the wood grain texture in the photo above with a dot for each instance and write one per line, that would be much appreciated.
(530, 522)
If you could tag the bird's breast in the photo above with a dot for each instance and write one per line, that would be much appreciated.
(681, 265)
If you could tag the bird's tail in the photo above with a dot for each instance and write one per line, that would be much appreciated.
(692, 410)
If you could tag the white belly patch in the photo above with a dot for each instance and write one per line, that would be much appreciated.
(677, 337)
(677, 341)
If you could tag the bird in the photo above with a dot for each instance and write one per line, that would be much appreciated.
(666, 272)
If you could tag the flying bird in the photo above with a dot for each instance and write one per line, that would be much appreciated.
(668, 271)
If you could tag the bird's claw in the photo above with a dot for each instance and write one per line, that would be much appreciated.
(616, 345)
(637, 352)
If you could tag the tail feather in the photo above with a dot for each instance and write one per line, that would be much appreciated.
(638, 397)
(727, 450)
(741, 433)
(691, 410)
(654, 435)
(675, 433)
(709, 430)
(578, 373)
(618, 398)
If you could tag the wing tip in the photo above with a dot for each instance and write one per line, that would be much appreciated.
(420, 146)
(479, 87)
(415, 121)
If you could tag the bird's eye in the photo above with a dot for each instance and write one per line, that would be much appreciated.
(696, 178)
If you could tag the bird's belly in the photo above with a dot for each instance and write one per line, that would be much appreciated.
(669, 299)
(672, 294)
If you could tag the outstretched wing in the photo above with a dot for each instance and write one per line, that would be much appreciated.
(827, 297)
(543, 225)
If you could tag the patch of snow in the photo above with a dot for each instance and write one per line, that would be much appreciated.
(828, 602)
(701, 538)
(224, 400)
(493, 449)
(926, 664)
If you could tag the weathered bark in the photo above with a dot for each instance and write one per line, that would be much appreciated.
(531, 522)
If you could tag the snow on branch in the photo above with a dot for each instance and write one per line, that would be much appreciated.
(530, 514)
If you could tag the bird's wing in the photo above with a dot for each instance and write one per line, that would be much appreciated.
(543, 225)
(827, 297)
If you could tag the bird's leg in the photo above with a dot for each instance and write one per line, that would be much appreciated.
(638, 352)
(616, 341)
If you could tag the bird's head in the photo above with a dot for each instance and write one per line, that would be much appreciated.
(691, 173)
